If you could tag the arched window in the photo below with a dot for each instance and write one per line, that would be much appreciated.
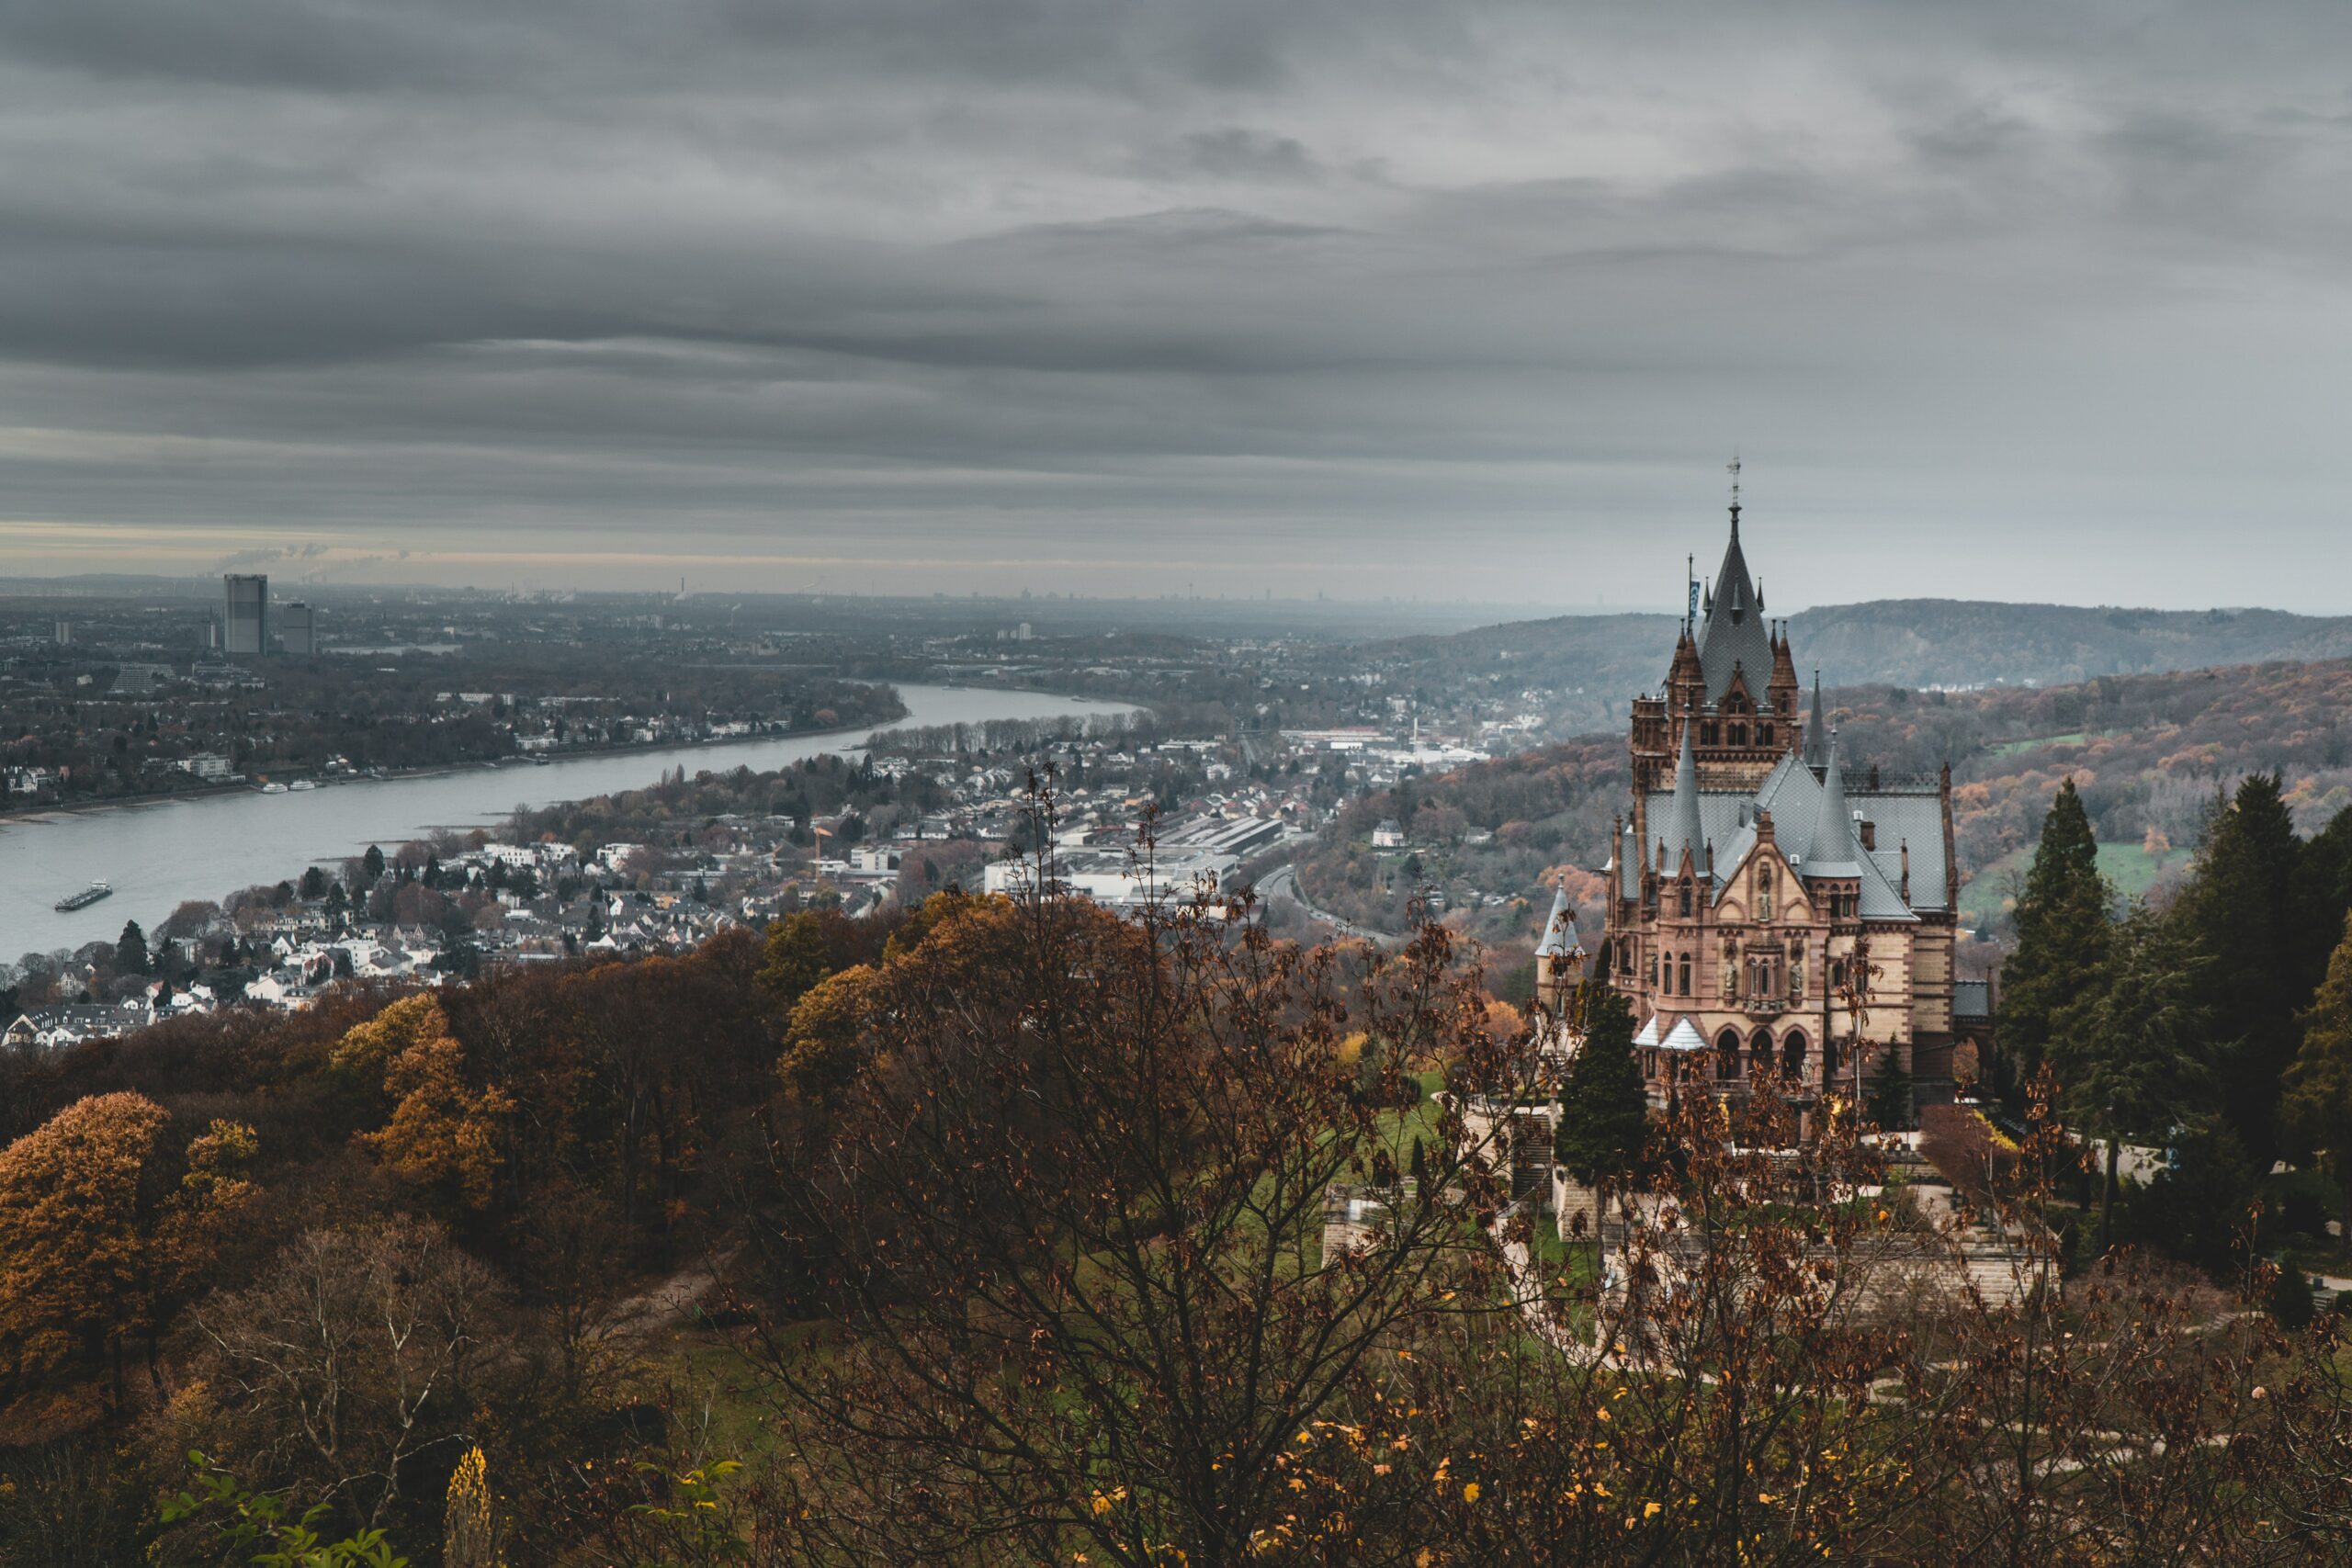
(1739, 735)
(1684, 989)
(1763, 735)
(1682, 900)
(1653, 969)
(1727, 1054)
(1759, 1052)
(1707, 733)
(1792, 1050)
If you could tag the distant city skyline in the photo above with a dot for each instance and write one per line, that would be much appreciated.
(2040, 301)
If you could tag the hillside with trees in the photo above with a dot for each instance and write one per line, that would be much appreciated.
(999, 1232)
(1591, 665)
(2148, 755)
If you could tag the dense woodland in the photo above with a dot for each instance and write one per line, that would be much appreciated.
(991, 1232)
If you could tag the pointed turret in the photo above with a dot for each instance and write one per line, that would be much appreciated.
(1733, 631)
(1832, 850)
(1817, 743)
(1682, 828)
(1559, 927)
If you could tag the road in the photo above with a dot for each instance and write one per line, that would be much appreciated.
(1283, 884)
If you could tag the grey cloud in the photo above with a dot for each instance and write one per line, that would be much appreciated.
(1420, 294)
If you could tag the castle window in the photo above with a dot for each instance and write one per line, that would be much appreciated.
(1727, 1054)
(1792, 1054)
(1682, 900)
(1707, 734)
(1684, 989)
(1739, 735)
(1653, 971)
(1763, 735)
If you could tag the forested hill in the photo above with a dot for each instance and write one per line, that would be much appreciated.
(2147, 751)
(1961, 642)
(1596, 663)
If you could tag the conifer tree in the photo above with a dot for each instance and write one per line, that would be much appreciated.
(2315, 1113)
(2132, 1056)
(1604, 1111)
(2245, 910)
(2063, 935)
(131, 950)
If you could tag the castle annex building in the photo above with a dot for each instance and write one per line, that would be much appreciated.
(1769, 906)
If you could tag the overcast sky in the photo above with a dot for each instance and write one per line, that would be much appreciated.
(2041, 299)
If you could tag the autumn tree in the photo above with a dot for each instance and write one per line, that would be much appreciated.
(2315, 1113)
(355, 1360)
(441, 1135)
(1071, 1200)
(2063, 924)
(97, 1245)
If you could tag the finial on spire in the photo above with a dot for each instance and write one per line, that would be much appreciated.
(1733, 468)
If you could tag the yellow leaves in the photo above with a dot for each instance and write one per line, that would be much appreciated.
(441, 1131)
(1652, 1511)
(1470, 1493)
(1103, 1502)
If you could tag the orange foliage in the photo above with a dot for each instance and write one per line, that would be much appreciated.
(442, 1132)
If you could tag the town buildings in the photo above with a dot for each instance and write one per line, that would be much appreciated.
(1773, 906)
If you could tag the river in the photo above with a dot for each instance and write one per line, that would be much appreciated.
(158, 854)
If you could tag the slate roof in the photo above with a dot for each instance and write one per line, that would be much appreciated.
(1971, 999)
(1733, 633)
(1559, 929)
(1911, 815)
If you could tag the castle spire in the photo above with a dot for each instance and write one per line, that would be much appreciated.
(1816, 750)
(1733, 468)
(1832, 850)
(1682, 828)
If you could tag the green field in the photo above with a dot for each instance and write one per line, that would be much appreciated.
(2011, 747)
(2132, 869)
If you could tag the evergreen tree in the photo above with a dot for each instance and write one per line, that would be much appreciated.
(131, 950)
(1605, 1114)
(2200, 1207)
(2063, 937)
(2246, 910)
(1889, 1103)
(373, 861)
(2132, 1054)
(2315, 1113)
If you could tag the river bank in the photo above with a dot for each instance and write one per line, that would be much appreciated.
(161, 854)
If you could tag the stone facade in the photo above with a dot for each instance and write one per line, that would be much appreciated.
(1765, 908)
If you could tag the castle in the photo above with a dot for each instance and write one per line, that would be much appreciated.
(1766, 907)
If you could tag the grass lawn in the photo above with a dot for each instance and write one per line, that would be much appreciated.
(2132, 869)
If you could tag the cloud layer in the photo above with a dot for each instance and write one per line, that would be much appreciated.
(1369, 299)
